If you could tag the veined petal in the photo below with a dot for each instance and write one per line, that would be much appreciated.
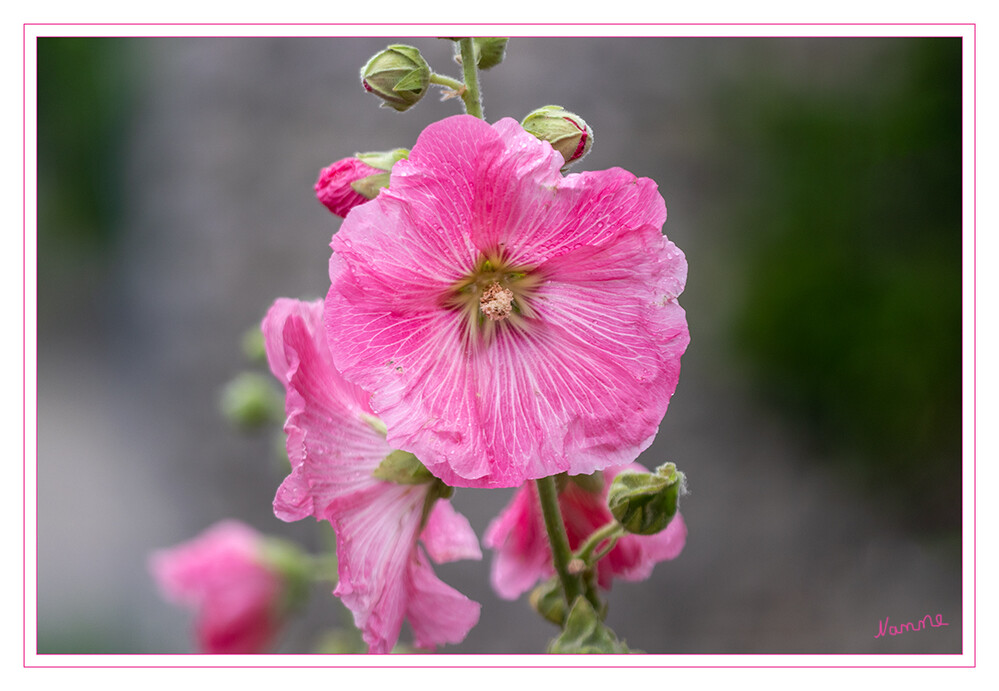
(437, 612)
(376, 540)
(335, 446)
(332, 448)
(448, 536)
(521, 554)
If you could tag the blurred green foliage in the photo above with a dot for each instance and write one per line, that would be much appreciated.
(850, 232)
(82, 106)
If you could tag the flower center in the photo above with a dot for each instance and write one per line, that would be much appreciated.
(496, 302)
(494, 294)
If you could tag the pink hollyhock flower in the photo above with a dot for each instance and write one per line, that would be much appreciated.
(335, 444)
(523, 555)
(221, 574)
(510, 323)
(333, 188)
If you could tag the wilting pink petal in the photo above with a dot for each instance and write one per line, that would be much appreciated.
(221, 575)
(333, 187)
(335, 443)
(522, 555)
(576, 375)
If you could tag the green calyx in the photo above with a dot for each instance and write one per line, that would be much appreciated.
(645, 503)
(548, 601)
(383, 160)
(370, 186)
(585, 633)
(403, 468)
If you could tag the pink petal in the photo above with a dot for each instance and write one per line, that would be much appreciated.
(331, 446)
(220, 575)
(522, 556)
(437, 612)
(448, 536)
(375, 545)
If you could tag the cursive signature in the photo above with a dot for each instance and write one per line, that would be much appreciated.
(885, 630)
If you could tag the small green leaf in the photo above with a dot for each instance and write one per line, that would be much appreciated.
(403, 468)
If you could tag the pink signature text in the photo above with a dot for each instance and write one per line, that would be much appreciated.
(884, 629)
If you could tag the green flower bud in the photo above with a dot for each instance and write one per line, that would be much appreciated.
(566, 132)
(586, 633)
(489, 51)
(398, 75)
(547, 601)
(288, 560)
(645, 503)
(251, 401)
(252, 345)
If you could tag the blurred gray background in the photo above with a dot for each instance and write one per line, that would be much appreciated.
(814, 185)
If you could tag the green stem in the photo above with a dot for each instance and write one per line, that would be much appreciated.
(471, 97)
(444, 80)
(561, 553)
(611, 532)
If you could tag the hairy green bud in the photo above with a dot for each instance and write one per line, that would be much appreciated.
(645, 503)
(566, 132)
(398, 75)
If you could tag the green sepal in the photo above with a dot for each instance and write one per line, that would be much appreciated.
(585, 633)
(548, 601)
(414, 81)
(382, 160)
(403, 468)
(370, 186)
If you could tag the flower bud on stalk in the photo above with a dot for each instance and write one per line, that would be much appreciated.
(645, 503)
(489, 51)
(566, 132)
(547, 600)
(344, 184)
(398, 75)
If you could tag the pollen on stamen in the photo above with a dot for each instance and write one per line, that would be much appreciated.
(496, 302)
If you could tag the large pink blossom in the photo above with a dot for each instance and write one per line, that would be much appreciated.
(335, 443)
(222, 575)
(334, 186)
(523, 555)
(511, 323)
